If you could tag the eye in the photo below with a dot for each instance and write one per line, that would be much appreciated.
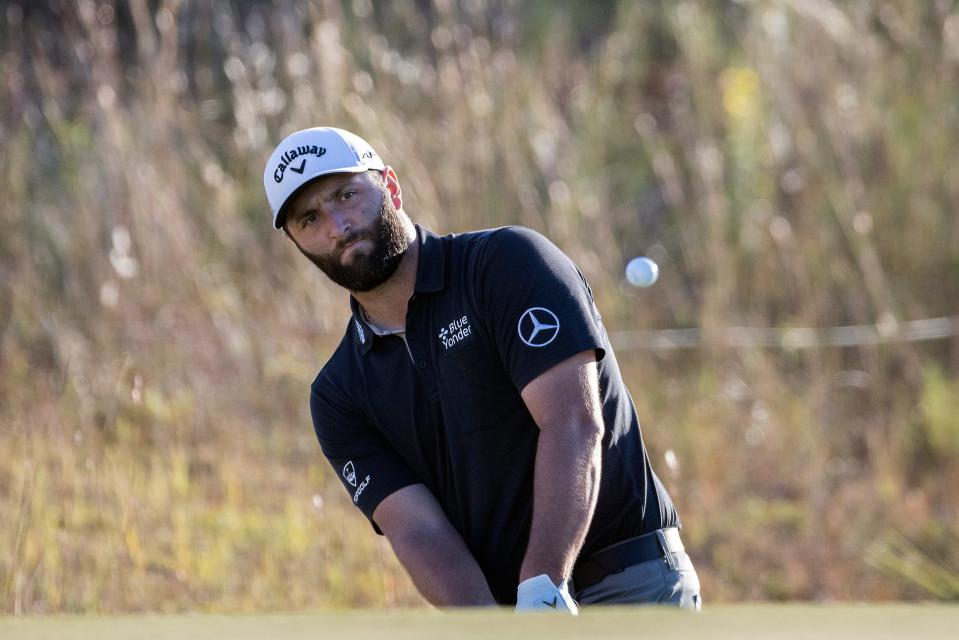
(308, 219)
(348, 195)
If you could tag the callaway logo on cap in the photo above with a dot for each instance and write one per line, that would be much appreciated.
(309, 154)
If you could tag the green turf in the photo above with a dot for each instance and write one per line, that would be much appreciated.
(902, 622)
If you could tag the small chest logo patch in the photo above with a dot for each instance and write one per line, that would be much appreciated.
(537, 327)
(455, 332)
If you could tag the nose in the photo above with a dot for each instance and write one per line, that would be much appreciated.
(340, 224)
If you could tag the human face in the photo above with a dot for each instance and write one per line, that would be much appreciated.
(348, 225)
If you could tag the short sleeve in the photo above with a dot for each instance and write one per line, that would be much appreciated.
(369, 469)
(537, 305)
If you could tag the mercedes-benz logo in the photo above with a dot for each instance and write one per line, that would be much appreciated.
(537, 327)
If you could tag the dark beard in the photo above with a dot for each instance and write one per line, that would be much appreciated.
(368, 270)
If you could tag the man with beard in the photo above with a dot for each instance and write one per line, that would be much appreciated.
(474, 409)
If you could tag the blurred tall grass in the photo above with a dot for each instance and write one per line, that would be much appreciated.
(787, 162)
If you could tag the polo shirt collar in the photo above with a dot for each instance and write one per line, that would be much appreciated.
(431, 267)
(430, 278)
(362, 333)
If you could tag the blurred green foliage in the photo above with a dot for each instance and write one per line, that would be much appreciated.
(787, 163)
(940, 416)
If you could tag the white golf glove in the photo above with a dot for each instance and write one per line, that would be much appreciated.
(540, 594)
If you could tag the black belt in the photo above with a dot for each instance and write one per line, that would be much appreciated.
(614, 559)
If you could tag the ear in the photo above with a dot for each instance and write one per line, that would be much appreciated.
(393, 186)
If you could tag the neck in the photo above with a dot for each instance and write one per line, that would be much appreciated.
(386, 304)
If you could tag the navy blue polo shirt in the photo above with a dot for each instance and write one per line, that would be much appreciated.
(490, 311)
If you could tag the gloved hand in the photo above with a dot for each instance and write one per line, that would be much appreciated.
(540, 594)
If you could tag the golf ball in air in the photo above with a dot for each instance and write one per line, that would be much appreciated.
(641, 272)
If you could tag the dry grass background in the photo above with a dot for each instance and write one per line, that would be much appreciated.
(789, 163)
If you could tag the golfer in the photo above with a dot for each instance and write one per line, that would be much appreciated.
(474, 409)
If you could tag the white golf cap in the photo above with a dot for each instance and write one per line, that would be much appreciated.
(308, 154)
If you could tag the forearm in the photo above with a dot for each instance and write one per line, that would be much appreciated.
(442, 568)
(566, 485)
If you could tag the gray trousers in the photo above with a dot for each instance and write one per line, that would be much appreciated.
(668, 581)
